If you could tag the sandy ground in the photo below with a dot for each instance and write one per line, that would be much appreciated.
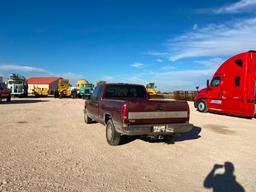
(46, 146)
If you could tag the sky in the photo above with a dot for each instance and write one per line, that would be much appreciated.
(176, 44)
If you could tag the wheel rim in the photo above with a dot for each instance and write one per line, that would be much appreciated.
(201, 106)
(109, 132)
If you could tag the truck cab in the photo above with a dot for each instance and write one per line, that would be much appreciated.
(232, 89)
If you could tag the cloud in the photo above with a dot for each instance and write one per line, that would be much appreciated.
(215, 40)
(240, 6)
(137, 65)
(11, 68)
(195, 27)
(107, 78)
(159, 60)
(217, 61)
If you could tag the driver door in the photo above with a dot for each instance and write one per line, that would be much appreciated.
(215, 94)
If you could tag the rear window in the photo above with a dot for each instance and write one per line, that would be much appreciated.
(126, 91)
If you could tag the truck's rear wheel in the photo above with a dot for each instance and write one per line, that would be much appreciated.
(113, 137)
(87, 119)
(9, 98)
(202, 106)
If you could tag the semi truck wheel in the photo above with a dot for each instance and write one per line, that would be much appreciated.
(113, 137)
(87, 119)
(202, 106)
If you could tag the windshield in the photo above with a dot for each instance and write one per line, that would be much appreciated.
(15, 82)
(89, 85)
(126, 91)
(150, 85)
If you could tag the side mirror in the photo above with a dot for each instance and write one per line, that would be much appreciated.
(207, 83)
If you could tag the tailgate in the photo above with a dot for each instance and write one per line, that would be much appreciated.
(158, 112)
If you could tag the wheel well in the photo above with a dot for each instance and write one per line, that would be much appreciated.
(107, 117)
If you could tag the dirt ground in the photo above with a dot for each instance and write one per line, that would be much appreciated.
(46, 146)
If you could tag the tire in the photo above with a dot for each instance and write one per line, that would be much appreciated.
(87, 119)
(202, 106)
(9, 98)
(0, 99)
(74, 95)
(112, 136)
(56, 94)
(61, 95)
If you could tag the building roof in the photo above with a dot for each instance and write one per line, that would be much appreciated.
(42, 80)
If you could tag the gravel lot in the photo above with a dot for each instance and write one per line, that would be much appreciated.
(45, 146)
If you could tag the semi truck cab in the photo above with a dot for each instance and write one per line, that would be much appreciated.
(232, 89)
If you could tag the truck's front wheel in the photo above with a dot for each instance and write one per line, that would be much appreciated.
(202, 106)
(113, 137)
(9, 98)
(87, 119)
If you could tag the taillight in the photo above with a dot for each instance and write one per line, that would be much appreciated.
(125, 112)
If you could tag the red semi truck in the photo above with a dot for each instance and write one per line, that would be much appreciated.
(232, 89)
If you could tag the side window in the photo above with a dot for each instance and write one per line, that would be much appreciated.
(95, 93)
(239, 62)
(216, 81)
(100, 91)
(237, 81)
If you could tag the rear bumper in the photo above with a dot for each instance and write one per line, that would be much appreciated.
(149, 129)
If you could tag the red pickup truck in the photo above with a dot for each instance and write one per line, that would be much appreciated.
(125, 109)
(4, 93)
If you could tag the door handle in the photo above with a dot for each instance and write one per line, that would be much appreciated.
(218, 94)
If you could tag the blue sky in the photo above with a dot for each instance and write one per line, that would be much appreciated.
(176, 44)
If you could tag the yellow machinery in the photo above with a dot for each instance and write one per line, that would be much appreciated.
(81, 83)
(151, 89)
(40, 92)
(64, 89)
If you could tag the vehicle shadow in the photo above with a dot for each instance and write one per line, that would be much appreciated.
(24, 101)
(225, 182)
(193, 134)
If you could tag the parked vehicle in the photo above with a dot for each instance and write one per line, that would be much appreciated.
(232, 89)
(64, 89)
(83, 89)
(18, 85)
(5, 93)
(40, 92)
(125, 109)
(151, 89)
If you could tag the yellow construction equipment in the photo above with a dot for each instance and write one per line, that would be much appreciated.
(81, 83)
(64, 89)
(151, 89)
(40, 92)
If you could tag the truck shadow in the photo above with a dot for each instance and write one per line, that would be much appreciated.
(23, 101)
(192, 135)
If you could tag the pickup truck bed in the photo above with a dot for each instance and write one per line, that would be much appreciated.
(125, 109)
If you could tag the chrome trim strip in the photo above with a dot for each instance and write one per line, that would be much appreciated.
(158, 115)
